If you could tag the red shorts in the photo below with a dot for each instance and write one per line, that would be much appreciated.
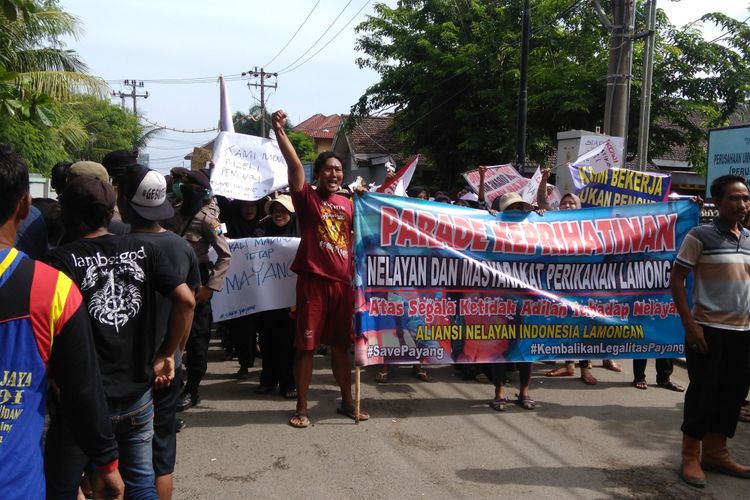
(325, 312)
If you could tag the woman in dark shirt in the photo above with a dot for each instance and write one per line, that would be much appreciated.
(242, 221)
(277, 326)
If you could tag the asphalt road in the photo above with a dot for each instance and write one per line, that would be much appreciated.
(441, 440)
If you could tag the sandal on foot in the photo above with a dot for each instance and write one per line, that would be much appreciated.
(640, 384)
(588, 379)
(499, 404)
(611, 365)
(300, 420)
(563, 371)
(381, 377)
(290, 394)
(421, 375)
(526, 402)
(671, 386)
(348, 411)
(744, 414)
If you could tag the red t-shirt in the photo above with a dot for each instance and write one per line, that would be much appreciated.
(326, 226)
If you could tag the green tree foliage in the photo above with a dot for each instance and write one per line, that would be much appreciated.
(34, 58)
(304, 145)
(450, 74)
(698, 84)
(107, 127)
(82, 129)
(50, 108)
(250, 123)
(41, 147)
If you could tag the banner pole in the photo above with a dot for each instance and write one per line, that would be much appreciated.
(357, 388)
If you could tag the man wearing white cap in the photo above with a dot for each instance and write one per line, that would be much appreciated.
(143, 203)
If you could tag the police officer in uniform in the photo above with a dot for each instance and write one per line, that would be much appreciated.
(197, 220)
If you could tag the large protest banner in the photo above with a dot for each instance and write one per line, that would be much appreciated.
(259, 278)
(247, 167)
(498, 180)
(619, 186)
(440, 284)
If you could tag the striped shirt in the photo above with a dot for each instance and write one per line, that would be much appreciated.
(721, 265)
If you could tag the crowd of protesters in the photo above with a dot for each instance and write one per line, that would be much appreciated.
(101, 327)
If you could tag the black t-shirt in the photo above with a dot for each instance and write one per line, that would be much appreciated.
(120, 278)
(184, 263)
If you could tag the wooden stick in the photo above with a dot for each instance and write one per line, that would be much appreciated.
(357, 388)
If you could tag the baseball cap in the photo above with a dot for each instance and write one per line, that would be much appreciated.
(84, 191)
(88, 168)
(509, 199)
(146, 191)
(284, 200)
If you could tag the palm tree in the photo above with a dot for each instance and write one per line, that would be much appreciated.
(35, 66)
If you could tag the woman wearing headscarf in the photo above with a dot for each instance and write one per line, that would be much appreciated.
(242, 221)
(277, 326)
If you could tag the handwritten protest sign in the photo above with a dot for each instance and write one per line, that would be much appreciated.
(618, 186)
(439, 283)
(259, 278)
(247, 167)
(529, 191)
(602, 157)
(498, 180)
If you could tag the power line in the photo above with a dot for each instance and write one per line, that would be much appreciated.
(183, 131)
(186, 80)
(329, 41)
(294, 35)
(316, 41)
(728, 32)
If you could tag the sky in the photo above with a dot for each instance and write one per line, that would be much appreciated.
(179, 48)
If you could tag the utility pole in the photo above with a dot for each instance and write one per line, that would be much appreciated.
(619, 71)
(648, 71)
(523, 100)
(122, 95)
(255, 72)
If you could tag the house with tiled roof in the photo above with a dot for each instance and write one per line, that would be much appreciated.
(368, 147)
(322, 129)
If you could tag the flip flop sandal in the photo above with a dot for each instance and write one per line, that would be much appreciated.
(590, 380)
(671, 386)
(290, 394)
(381, 377)
(422, 375)
(499, 404)
(560, 372)
(349, 412)
(611, 365)
(640, 384)
(526, 402)
(300, 420)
